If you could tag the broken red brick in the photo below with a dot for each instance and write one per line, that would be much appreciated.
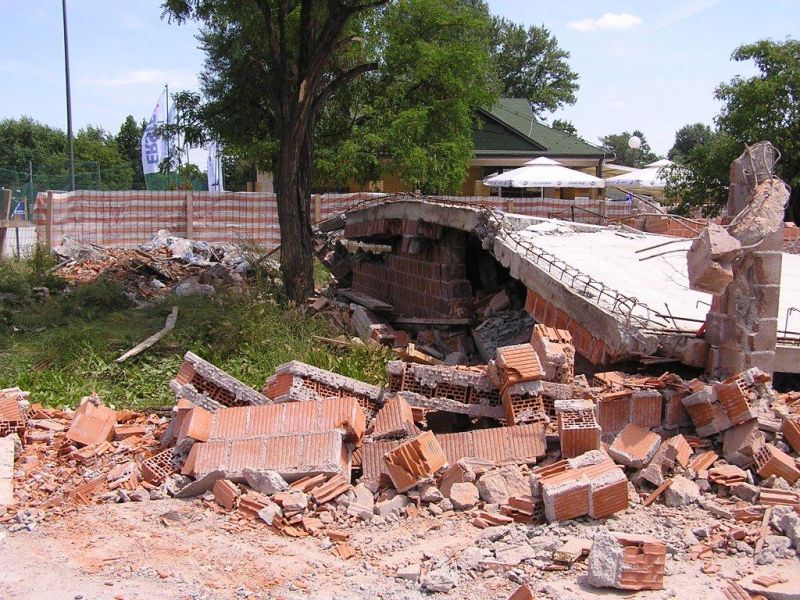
(196, 425)
(415, 461)
(791, 431)
(205, 385)
(556, 352)
(157, 468)
(634, 446)
(627, 562)
(578, 429)
(394, 420)
(225, 493)
(92, 422)
(773, 461)
(333, 488)
(518, 364)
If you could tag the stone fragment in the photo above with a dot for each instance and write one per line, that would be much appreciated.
(266, 482)
(683, 491)
(295, 501)
(429, 493)
(628, 562)
(464, 495)
(392, 506)
(440, 580)
(492, 488)
(409, 572)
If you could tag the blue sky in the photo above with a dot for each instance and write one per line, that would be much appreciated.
(646, 65)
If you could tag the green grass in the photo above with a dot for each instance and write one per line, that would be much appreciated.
(65, 348)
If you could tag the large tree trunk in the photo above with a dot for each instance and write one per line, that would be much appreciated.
(294, 174)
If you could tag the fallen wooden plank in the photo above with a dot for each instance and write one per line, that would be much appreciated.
(657, 492)
(369, 302)
(142, 346)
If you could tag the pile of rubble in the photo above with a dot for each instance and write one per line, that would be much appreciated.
(165, 265)
(521, 440)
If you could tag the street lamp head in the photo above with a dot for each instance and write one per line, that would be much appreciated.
(634, 142)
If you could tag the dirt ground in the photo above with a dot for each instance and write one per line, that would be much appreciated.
(174, 549)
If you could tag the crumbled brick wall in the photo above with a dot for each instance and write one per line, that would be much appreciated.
(422, 276)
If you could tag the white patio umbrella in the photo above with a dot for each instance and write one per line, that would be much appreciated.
(545, 173)
(649, 177)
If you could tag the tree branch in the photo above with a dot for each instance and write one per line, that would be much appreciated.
(340, 81)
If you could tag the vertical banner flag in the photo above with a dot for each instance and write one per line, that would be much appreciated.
(154, 148)
(214, 168)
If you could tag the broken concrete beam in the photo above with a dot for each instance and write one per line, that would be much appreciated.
(415, 461)
(741, 442)
(453, 406)
(394, 420)
(92, 423)
(293, 455)
(225, 493)
(518, 364)
(791, 431)
(299, 382)
(556, 352)
(774, 461)
(626, 562)
(710, 258)
(578, 430)
(6, 471)
(316, 416)
(205, 385)
(634, 446)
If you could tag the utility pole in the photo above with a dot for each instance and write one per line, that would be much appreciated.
(70, 156)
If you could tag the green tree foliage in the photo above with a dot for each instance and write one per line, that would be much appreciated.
(23, 140)
(699, 180)
(687, 138)
(566, 127)
(95, 145)
(764, 107)
(129, 145)
(530, 64)
(617, 143)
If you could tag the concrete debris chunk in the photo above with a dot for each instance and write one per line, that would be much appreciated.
(681, 492)
(265, 482)
(463, 495)
(6, 471)
(626, 562)
(710, 260)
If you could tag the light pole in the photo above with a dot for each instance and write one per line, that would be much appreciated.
(70, 157)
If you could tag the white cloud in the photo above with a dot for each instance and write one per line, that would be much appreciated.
(607, 21)
(145, 77)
